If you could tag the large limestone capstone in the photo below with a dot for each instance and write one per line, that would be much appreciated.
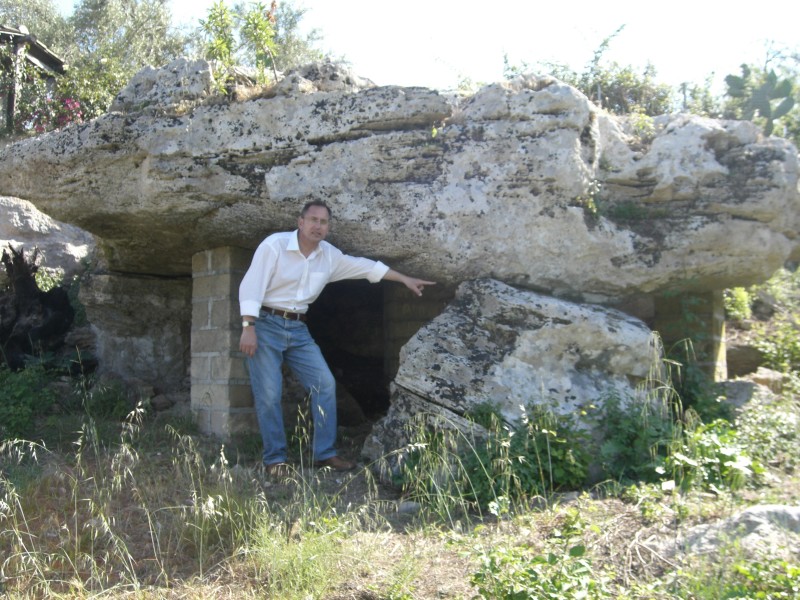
(512, 348)
(525, 181)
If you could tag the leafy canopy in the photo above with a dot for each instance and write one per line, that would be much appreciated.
(105, 42)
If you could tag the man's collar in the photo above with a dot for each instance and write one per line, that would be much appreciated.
(294, 244)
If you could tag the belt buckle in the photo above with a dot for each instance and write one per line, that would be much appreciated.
(286, 314)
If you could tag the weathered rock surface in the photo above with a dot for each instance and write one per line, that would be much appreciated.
(762, 531)
(505, 188)
(60, 245)
(142, 327)
(511, 348)
(525, 182)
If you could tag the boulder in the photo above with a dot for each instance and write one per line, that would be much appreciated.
(761, 532)
(62, 247)
(525, 181)
(513, 348)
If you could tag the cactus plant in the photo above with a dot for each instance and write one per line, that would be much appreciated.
(757, 99)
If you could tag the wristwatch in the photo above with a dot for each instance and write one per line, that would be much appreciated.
(248, 323)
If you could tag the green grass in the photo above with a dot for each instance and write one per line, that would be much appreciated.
(163, 508)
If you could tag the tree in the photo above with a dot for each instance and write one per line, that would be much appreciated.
(618, 89)
(105, 42)
(30, 103)
(697, 99)
(252, 35)
(292, 48)
(113, 40)
(42, 19)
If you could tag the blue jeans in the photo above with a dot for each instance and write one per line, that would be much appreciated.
(281, 339)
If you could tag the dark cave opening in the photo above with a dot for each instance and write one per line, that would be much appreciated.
(347, 322)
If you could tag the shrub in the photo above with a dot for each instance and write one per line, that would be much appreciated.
(448, 470)
(544, 453)
(712, 457)
(694, 387)
(635, 440)
(24, 395)
(737, 304)
(561, 572)
(781, 348)
(770, 434)
(771, 579)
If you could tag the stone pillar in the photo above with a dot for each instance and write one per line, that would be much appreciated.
(699, 317)
(404, 314)
(222, 403)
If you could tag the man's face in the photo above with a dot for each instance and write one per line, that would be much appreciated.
(314, 225)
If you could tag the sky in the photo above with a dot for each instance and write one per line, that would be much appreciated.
(439, 43)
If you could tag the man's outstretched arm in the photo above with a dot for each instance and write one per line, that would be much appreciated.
(412, 283)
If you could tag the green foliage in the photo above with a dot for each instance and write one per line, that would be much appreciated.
(774, 579)
(37, 108)
(218, 29)
(697, 99)
(761, 96)
(103, 400)
(616, 88)
(737, 304)
(784, 286)
(294, 48)
(94, 81)
(43, 20)
(258, 37)
(770, 434)
(128, 34)
(519, 573)
(430, 470)
(588, 200)
(105, 42)
(747, 578)
(695, 387)
(562, 572)
(253, 27)
(712, 457)
(635, 440)
(768, 95)
(113, 40)
(781, 347)
(780, 343)
(626, 212)
(47, 279)
(24, 395)
(544, 453)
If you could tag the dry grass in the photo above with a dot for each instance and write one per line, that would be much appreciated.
(156, 511)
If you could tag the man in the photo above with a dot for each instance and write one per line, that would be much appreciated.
(288, 272)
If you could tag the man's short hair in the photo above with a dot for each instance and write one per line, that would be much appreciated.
(311, 203)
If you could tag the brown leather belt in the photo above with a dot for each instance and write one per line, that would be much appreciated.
(292, 316)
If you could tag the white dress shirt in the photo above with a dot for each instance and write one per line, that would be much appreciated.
(281, 277)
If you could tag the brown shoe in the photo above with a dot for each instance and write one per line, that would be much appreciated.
(279, 470)
(337, 463)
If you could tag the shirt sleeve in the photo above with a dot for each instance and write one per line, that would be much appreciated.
(255, 281)
(353, 267)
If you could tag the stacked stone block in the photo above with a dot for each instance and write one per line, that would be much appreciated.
(222, 403)
(699, 320)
